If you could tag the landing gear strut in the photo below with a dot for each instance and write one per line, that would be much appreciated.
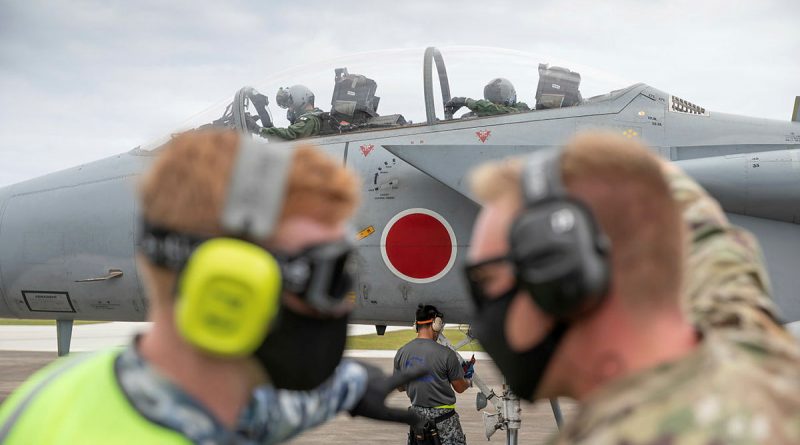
(64, 333)
(507, 411)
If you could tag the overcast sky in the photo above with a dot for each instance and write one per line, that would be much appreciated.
(82, 80)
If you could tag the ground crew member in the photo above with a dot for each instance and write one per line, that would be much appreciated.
(232, 235)
(499, 97)
(432, 396)
(577, 266)
(304, 118)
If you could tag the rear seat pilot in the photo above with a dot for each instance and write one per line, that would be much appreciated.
(499, 97)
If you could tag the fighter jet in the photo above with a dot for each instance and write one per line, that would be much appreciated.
(67, 239)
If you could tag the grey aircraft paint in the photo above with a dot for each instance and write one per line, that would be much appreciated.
(59, 230)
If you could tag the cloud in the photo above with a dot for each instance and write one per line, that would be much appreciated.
(82, 80)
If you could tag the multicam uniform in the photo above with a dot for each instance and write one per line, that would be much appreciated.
(484, 107)
(307, 125)
(741, 385)
(726, 284)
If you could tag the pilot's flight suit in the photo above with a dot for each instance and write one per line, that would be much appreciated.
(483, 107)
(307, 125)
(116, 397)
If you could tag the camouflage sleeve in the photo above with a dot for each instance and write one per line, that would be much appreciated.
(522, 107)
(483, 107)
(305, 126)
(275, 415)
(726, 284)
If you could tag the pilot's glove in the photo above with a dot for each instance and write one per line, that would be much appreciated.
(251, 124)
(456, 103)
(373, 403)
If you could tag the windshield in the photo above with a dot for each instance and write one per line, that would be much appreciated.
(393, 80)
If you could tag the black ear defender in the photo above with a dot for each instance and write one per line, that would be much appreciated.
(560, 253)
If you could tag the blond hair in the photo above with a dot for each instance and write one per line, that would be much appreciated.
(187, 185)
(622, 182)
(186, 188)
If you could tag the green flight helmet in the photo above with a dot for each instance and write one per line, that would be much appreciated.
(500, 91)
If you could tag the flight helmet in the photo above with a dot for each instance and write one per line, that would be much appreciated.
(500, 91)
(296, 97)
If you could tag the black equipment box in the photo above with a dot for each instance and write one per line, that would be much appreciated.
(558, 87)
(391, 120)
(354, 97)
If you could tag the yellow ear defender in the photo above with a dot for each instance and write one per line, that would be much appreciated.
(228, 294)
(228, 289)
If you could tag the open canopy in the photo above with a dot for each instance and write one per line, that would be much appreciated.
(409, 87)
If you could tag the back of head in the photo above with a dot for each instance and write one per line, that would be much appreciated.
(500, 91)
(428, 315)
(186, 187)
(426, 312)
(622, 183)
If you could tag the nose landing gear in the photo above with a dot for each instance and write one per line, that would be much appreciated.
(507, 413)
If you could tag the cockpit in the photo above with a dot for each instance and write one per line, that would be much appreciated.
(381, 90)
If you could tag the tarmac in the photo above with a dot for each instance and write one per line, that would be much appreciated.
(25, 349)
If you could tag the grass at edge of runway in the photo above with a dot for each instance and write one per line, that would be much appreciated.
(396, 339)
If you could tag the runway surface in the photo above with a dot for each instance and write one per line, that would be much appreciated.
(17, 365)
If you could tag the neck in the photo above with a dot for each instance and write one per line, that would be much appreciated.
(425, 333)
(618, 344)
(223, 386)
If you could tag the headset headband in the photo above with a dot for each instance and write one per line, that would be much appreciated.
(560, 252)
(252, 206)
(256, 191)
(541, 176)
(425, 321)
(166, 247)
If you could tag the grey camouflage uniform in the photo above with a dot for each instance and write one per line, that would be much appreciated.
(450, 432)
(271, 416)
(740, 386)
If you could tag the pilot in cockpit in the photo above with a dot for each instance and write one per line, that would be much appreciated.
(304, 118)
(499, 97)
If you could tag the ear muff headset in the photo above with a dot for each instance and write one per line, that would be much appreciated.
(560, 253)
(228, 294)
(438, 324)
(228, 289)
(436, 321)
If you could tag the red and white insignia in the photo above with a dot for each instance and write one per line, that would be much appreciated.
(483, 134)
(367, 149)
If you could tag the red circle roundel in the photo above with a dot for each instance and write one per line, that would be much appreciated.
(418, 245)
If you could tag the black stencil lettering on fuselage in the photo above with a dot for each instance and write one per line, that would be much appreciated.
(48, 301)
